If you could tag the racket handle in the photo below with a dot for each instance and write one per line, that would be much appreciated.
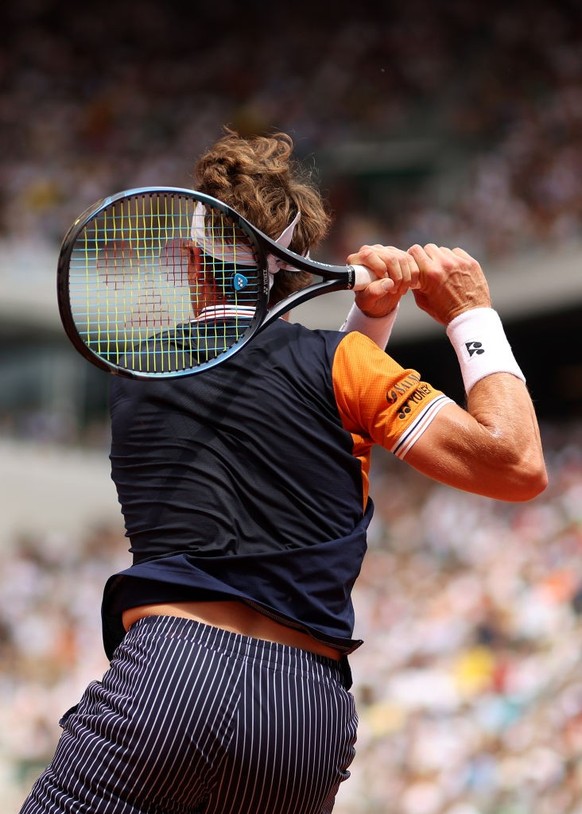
(363, 277)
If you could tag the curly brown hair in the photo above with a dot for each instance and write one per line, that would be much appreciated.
(259, 177)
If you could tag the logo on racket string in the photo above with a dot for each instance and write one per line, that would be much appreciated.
(239, 281)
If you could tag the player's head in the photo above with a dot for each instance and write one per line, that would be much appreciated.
(259, 178)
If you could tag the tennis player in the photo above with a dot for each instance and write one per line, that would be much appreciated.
(245, 496)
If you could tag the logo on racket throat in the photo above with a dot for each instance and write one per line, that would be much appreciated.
(239, 281)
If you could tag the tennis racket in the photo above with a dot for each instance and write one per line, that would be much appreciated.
(165, 282)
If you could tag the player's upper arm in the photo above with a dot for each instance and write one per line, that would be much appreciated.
(492, 448)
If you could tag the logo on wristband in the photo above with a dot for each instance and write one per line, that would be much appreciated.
(474, 348)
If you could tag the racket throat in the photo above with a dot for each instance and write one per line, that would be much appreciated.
(304, 295)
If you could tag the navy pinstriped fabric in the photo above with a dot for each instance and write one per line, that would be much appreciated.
(174, 727)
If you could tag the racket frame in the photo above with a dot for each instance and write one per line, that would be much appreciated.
(335, 278)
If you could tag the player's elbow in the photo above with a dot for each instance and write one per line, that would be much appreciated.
(527, 478)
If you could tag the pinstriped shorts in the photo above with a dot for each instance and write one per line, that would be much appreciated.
(190, 719)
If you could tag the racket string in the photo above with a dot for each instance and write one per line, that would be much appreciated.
(141, 290)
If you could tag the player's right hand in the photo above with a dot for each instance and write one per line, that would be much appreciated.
(450, 282)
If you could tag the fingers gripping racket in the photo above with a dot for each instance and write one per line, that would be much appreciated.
(165, 282)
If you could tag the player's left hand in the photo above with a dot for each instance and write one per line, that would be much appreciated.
(396, 276)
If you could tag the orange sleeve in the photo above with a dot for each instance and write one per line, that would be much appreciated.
(379, 401)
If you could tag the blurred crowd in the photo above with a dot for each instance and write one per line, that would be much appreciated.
(93, 103)
(469, 684)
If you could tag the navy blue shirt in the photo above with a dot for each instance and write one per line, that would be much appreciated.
(249, 480)
(240, 483)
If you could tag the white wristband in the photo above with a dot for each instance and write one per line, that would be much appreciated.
(378, 329)
(481, 346)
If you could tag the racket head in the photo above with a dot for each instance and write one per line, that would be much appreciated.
(161, 282)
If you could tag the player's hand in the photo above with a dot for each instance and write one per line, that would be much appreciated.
(397, 271)
(450, 282)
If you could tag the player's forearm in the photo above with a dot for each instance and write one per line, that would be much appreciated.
(498, 400)
(511, 463)
(493, 447)
(378, 329)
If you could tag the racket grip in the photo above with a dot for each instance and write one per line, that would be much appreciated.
(363, 277)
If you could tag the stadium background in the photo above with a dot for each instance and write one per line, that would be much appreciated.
(438, 121)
